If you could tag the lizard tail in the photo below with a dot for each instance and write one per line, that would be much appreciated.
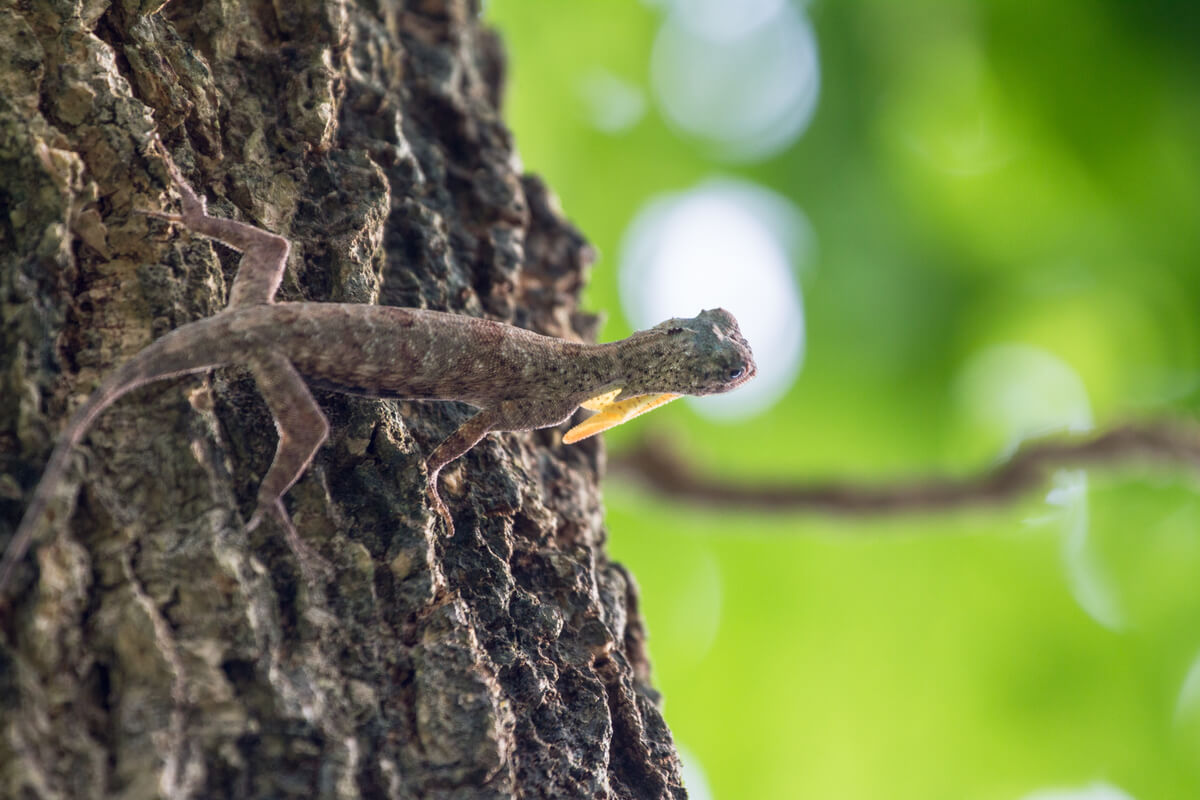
(158, 361)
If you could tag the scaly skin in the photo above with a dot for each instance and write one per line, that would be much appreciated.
(518, 380)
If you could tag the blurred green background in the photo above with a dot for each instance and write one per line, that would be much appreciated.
(988, 212)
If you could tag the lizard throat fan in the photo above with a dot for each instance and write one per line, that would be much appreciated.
(613, 414)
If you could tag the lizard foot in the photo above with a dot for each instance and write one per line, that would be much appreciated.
(435, 500)
(311, 562)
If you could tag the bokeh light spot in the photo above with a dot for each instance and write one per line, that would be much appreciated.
(613, 105)
(694, 779)
(1088, 580)
(1017, 392)
(1093, 791)
(729, 245)
(723, 20)
(750, 91)
(950, 116)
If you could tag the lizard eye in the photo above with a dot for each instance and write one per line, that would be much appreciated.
(734, 374)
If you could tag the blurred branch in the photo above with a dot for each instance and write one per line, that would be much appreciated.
(655, 463)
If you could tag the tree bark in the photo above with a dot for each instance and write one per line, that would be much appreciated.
(154, 647)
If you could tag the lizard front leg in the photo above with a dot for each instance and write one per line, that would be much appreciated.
(264, 254)
(458, 443)
(302, 429)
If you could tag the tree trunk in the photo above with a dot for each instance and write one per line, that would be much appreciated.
(153, 646)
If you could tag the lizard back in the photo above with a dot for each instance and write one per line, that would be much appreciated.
(385, 351)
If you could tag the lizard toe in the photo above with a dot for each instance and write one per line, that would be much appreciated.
(439, 507)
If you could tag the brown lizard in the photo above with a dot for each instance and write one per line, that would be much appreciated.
(519, 380)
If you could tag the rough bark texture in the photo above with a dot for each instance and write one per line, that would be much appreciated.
(156, 648)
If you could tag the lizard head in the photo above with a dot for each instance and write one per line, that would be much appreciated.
(705, 354)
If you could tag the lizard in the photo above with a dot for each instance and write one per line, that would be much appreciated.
(517, 379)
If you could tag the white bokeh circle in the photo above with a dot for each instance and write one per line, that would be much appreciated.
(749, 88)
(1024, 392)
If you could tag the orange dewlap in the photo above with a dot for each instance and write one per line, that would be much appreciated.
(613, 414)
(601, 401)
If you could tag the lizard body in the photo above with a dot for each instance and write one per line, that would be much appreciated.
(519, 380)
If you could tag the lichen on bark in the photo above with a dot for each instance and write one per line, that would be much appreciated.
(157, 648)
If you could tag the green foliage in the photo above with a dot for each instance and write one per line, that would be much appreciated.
(986, 182)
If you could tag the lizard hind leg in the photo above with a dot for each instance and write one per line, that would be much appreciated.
(302, 429)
